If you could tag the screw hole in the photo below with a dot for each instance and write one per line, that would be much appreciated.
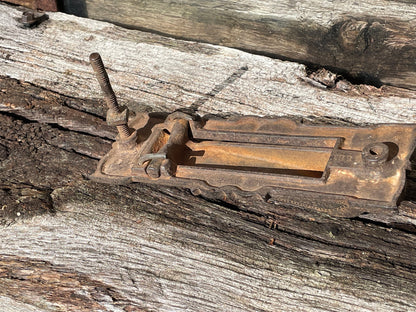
(373, 152)
(376, 153)
(376, 150)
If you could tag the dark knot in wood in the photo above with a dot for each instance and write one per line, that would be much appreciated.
(353, 35)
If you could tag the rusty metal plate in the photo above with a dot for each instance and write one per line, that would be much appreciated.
(343, 171)
(45, 5)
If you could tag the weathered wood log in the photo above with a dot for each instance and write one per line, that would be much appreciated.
(46, 5)
(372, 41)
(68, 244)
(150, 72)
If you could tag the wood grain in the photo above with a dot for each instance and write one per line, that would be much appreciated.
(97, 247)
(45, 5)
(69, 244)
(154, 73)
(373, 41)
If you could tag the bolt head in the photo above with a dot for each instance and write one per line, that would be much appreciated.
(28, 17)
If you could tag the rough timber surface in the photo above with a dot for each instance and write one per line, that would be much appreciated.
(150, 72)
(372, 40)
(69, 244)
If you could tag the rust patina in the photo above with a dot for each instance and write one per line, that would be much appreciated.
(343, 171)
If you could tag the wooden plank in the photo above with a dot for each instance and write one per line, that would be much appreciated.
(46, 5)
(26, 3)
(371, 40)
(69, 244)
(73, 245)
(150, 72)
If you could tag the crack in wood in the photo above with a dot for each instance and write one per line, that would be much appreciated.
(363, 41)
(169, 250)
(39, 105)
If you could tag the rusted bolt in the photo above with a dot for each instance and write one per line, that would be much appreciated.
(375, 154)
(110, 97)
(31, 19)
(28, 17)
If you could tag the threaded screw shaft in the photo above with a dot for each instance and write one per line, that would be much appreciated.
(110, 97)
